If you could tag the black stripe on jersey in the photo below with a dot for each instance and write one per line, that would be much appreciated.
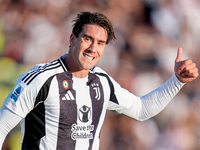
(32, 75)
(68, 113)
(35, 120)
(113, 97)
(64, 65)
(97, 104)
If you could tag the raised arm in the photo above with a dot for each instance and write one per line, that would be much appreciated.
(154, 102)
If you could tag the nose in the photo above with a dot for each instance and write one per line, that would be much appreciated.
(92, 46)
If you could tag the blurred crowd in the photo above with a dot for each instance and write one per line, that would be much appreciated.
(148, 33)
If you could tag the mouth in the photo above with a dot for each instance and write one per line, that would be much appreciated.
(89, 57)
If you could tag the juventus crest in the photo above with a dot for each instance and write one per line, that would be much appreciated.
(95, 87)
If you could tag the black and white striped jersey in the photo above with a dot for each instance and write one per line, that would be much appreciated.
(62, 112)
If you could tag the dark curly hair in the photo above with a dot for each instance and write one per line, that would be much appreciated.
(93, 18)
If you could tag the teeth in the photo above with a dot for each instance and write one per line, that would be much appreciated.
(88, 57)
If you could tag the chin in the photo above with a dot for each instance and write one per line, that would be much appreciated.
(88, 67)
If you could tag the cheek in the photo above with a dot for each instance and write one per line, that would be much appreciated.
(77, 48)
(101, 51)
(82, 46)
(76, 53)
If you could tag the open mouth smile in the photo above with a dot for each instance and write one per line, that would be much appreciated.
(89, 57)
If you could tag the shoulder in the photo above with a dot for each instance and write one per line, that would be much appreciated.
(41, 72)
(103, 74)
(98, 70)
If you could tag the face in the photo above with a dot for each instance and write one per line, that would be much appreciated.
(88, 47)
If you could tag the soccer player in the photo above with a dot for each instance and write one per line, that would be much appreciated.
(62, 104)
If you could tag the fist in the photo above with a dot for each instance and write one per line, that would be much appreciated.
(185, 70)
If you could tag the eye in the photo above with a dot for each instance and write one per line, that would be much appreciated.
(87, 39)
(101, 44)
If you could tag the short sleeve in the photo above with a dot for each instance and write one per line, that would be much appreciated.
(122, 99)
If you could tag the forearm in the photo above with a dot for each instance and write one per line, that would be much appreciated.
(155, 101)
(8, 120)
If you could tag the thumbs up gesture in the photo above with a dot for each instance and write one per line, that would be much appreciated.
(185, 70)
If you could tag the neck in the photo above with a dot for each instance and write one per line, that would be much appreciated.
(79, 73)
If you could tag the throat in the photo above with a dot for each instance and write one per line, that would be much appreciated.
(80, 74)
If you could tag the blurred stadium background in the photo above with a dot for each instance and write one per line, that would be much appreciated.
(148, 32)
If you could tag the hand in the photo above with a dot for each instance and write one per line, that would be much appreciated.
(185, 70)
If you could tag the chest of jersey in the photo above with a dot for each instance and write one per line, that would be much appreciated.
(75, 109)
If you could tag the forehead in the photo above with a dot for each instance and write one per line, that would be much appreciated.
(94, 31)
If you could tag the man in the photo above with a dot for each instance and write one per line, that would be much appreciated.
(62, 104)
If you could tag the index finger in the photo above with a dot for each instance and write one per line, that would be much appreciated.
(184, 66)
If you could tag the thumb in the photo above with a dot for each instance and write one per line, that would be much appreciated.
(179, 54)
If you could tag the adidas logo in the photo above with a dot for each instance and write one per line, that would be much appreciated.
(68, 96)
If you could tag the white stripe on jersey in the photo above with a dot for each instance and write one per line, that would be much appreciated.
(81, 89)
(52, 113)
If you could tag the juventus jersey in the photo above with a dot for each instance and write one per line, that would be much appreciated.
(62, 112)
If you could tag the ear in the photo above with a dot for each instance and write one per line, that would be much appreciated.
(72, 38)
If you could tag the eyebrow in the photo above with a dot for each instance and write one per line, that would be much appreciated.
(88, 36)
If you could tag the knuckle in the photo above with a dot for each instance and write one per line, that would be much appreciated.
(187, 62)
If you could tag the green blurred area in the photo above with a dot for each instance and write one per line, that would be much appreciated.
(2, 39)
(9, 73)
(15, 139)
